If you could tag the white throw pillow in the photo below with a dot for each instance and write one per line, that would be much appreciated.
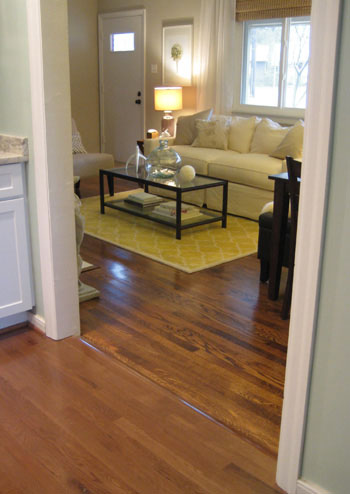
(292, 144)
(241, 133)
(77, 144)
(186, 127)
(211, 134)
(267, 136)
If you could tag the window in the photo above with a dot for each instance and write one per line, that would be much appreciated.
(276, 62)
(123, 42)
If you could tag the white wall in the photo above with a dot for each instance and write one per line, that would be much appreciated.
(326, 452)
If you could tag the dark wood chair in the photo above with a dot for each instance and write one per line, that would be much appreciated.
(294, 172)
(264, 245)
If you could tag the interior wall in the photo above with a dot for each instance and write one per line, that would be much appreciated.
(159, 12)
(59, 238)
(83, 54)
(326, 450)
(15, 108)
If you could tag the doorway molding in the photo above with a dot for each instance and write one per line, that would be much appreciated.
(325, 15)
(52, 162)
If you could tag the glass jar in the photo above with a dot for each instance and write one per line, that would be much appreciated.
(163, 162)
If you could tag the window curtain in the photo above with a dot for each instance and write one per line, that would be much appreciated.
(215, 56)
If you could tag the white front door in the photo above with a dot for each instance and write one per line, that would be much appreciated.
(121, 51)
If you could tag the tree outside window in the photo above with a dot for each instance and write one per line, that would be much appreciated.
(275, 64)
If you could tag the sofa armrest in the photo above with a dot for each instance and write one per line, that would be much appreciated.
(88, 164)
(150, 144)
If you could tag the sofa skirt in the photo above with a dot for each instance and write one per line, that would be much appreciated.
(242, 200)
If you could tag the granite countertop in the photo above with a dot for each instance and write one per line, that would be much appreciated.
(13, 149)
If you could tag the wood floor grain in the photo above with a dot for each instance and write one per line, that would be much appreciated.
(73, 420)
(212, 338)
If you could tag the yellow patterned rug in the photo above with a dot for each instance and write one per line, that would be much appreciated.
(200, 247)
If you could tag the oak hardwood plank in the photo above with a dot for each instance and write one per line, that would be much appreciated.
(86, 423)
(213, 337)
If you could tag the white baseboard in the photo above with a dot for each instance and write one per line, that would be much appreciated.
(304, 487)
(37, 321)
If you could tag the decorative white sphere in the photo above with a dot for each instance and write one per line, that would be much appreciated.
(187, 173)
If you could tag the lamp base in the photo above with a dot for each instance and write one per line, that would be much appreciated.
(168, 123)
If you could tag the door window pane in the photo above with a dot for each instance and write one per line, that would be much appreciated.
(123, 42)
(262, 64)
(297, 64)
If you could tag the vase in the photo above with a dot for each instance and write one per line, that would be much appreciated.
(163, 162)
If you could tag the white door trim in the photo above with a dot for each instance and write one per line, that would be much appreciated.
(111, 15)
(317, 147)
(60, 290)
(40, 159)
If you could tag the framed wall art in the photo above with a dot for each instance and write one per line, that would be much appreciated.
(177, 55)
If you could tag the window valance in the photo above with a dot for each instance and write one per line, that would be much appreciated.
(247, 10)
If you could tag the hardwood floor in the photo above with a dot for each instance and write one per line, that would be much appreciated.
(213, 338)
(74, 421)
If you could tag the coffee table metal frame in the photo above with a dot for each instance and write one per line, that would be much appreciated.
(200, 182)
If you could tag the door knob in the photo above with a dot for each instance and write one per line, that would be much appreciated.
(138, 101)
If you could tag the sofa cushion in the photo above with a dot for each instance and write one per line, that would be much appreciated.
(241, 133)
(198, 157)
(248, 169)
(211, 134)
(267, 136)
(292, 143)
(186, 127)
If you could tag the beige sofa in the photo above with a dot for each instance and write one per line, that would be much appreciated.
(244, 151)
(87, 164)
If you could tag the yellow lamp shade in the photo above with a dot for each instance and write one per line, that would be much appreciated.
(168, 98)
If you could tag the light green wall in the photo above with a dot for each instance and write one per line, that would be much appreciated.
(83, 61)
(326, 454)
(15, 105)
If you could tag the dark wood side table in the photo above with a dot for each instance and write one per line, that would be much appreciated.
(279, 228)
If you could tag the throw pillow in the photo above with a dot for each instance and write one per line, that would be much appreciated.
(267, 136)
(241, 133)
(292, 144)
(211, 134)
(186, 127)
(77, 144)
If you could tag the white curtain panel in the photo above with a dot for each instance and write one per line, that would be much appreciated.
(214, 70)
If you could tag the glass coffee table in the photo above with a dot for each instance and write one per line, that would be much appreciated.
(140, 176)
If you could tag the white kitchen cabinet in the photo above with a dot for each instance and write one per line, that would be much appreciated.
(16, 292)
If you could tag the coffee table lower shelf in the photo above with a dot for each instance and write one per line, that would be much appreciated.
(206, 217)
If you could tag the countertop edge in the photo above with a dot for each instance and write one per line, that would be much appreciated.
(13, 149)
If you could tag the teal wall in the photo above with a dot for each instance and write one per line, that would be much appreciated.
(15, 105)
(326, 459)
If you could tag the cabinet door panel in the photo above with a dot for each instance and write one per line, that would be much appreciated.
(15, 280)
(11, 181)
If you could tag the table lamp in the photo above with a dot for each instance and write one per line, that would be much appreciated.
(167, 99)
